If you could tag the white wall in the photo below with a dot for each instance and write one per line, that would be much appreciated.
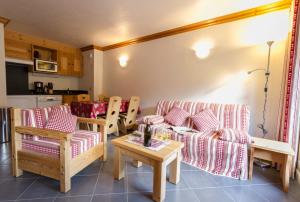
(2, 68)
(59, 82)
(167, 68)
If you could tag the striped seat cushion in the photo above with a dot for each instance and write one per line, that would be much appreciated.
(81, 141)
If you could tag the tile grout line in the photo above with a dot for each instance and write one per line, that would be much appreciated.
(127, 182)
(94, 189)
(27, 189)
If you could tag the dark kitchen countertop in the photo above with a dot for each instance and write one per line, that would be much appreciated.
(55, 92)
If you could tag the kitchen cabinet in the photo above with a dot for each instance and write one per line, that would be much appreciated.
(22, 46)
(70, 63)
(67, 99)
(18, 49)
(33, 101)
(22, 101)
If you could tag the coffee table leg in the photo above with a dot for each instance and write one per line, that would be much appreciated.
(175, 169)
(286, 172)
(119, 164)
(159, 182)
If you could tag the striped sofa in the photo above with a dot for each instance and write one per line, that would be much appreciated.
(53, 153)
(203, 149)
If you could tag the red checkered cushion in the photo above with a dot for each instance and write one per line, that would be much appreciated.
(81, 141)
(61, 121)
(176, 116)
(234, 135)
(205, 121)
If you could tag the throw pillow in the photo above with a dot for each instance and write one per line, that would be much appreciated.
(205, 121)
(234, 135)
(61, 121)
(176, 116)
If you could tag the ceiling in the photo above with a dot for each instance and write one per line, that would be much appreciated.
(105, 22)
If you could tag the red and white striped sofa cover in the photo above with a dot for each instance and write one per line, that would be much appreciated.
(81, 140)
(204, 150)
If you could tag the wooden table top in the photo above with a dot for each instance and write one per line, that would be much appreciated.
(160, 155)
(272, 145)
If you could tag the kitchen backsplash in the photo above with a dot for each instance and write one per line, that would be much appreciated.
(60, 82)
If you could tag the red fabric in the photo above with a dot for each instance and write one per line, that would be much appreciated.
(233, 135)
(61, 121)
(229, 115)
(81, 141)
(205, 150)
(205, 121)
(176, 116)
(291, 85)
(93, 109)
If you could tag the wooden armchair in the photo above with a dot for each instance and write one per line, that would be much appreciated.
(128, 120)
(62, 167)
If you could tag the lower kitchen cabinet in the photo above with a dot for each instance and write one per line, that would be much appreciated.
(33, 101)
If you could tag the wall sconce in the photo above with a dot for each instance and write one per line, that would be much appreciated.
(123, 60)
(202, 49)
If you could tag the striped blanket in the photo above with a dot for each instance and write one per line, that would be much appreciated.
(204, 150)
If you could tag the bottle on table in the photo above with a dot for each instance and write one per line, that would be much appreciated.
(147, 136)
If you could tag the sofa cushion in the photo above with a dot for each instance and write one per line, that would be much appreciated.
(153, 119)
(236, 116)
(176, 116)
(205, 121)
(233, 135)
(81, 141)
(61, 121)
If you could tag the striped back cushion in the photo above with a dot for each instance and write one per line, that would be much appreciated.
(235, 116)
(38, 117)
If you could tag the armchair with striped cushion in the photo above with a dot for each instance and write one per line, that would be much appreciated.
(47, 142)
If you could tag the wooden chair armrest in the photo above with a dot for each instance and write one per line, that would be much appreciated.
(100, 122)
(41, 132)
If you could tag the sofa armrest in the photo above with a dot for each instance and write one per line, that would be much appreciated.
(53, 134)
(100, 122)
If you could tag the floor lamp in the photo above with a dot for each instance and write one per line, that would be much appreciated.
(262, 125)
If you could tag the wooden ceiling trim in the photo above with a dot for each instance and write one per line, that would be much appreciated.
(280, 5)
(4, 20)
(90, 47)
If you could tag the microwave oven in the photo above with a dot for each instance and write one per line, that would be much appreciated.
(45, 66)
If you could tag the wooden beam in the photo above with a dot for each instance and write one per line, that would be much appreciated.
(90, 47)
(252, 12)
(4, 20)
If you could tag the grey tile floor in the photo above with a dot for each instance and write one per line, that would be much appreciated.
(96, 183)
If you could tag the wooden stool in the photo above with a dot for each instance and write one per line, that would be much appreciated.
(274, 151)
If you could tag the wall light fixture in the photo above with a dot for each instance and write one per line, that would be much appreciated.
(123, 60)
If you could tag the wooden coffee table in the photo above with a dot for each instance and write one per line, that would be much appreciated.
(170, 154)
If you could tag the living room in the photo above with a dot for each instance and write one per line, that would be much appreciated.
(157, 64)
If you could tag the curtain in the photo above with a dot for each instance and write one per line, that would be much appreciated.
(289, 119)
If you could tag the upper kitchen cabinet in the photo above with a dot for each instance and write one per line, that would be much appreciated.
(78, 64)
(23, 46)
(18, 49)
(70, 63)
